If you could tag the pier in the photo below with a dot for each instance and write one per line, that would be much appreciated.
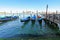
(53, 18)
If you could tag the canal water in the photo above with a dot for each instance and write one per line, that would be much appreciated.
(17, 29)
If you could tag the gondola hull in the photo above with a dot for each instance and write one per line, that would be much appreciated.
(33, 18)
(40, 20)
(25, 20)
(8, 18)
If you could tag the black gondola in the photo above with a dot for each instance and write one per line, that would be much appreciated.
(25, 19)
(40, 19)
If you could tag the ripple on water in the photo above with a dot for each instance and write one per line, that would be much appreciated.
(12, 28)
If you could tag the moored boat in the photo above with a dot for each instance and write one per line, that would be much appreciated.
(39, 19)
(25, 19)
(7, 18)
(4, 19)
(33, 18)
(15, 17)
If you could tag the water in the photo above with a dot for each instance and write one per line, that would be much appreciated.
(16, 28)
(12, 28)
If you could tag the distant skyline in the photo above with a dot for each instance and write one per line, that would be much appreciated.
(20, 5)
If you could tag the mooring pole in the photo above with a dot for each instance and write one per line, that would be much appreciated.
(30, 15)
(5, 13)
(11, 13)
(23, 14)
(56, 15)
(59, 17)
(36, 14)
(46, 11)
(16, 13)
(53, 17)
(49, 16)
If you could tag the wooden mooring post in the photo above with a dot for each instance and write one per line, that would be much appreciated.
(46, 13)
(46, 10)
(23, 14)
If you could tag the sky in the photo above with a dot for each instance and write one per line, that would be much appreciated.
(20, 5)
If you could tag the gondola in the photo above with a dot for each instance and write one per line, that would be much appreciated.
(39, 19)
(33, 18)
(25, 19)
(15, 17)
(7, 18)
(4, 19)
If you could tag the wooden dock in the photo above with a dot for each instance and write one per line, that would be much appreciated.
(54, 18)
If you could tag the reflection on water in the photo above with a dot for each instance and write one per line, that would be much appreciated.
(32, 24)
(25, 23)
(43, 23)
(14, 28)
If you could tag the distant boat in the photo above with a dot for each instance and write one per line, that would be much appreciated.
(7, 18)
(25, 19)
(15, 17)
(11, 17)
(33, 18)
(4, 19)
